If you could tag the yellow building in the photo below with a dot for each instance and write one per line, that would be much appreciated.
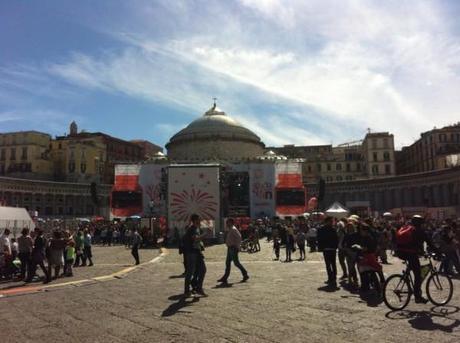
(379, 154)
(25, 154)
(77, 159)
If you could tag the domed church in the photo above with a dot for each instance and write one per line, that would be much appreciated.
(214, 137)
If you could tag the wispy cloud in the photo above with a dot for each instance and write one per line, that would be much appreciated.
(304, 72)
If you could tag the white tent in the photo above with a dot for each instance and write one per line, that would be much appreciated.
(337, 210)
(15, 219)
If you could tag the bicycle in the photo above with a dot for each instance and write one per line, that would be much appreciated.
(398, 288)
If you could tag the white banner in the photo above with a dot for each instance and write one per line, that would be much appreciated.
(261, 183)
(288, 167)
(153, 200)
(194, 190)
(127, 169)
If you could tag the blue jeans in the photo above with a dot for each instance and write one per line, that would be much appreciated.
(195, 271)
(232, 256)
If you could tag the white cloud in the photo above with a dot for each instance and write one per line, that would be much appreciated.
(331, 68)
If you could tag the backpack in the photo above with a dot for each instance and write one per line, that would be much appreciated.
(405, 235)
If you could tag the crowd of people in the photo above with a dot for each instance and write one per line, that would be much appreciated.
(359, 244)
(57, 251)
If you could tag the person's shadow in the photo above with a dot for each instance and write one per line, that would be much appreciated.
(423, 320)
(329, 288)
(181, 276)
(371, 298)
(178, 305)
(223, 285)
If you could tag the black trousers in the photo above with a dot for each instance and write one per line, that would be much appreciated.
(195, 271)
(135, 253)
(414, 265)
(331, 266)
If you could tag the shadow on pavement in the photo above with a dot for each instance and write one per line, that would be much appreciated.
(371, 298)
(423, 320)
(181, 276)
(177, 306)
(349, 288)
(328, 289)
(223, 285)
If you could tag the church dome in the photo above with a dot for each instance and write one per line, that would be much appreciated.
(214, 136)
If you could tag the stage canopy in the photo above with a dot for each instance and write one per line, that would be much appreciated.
(15, 219)
(337, 210)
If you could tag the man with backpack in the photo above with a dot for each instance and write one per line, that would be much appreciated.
(409, 245)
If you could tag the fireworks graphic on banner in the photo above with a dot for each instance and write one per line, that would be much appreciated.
(184, 204)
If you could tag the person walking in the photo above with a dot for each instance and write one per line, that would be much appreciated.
(69, 257)
(327, 243)
(341, 251)
(79, 248)
(56, 253)
(233, 241)
(300, 240)
(87, 250)
(195, 266)
(38, 257)
(289, 242)
(5, 254)
(25, 245)
(137, 241)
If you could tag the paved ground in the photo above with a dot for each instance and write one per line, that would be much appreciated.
(282, 302)
(107, 260)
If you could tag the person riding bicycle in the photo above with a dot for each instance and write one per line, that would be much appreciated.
(409, 245)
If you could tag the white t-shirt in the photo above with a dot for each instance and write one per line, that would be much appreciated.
(5, 244)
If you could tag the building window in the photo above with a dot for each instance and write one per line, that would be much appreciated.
(13, 154)
(348, 167)
(387, 169)
(358, 166)
(375, 170)
(348, 178)
(374, 144)
(338, 166)
(386, 156)
(3, 155)
(375, 157)
(71, 167)
(24, 153)
(83, 167)
(328, 178)
(385, 142)
(328, 167)
(319, 166)
(339, 178)
(309, 169)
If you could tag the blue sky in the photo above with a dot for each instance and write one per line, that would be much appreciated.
(299, 72)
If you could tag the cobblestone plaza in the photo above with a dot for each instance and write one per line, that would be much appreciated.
(281, 302)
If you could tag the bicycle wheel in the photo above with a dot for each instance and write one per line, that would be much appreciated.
(396, 292)
(439, 289)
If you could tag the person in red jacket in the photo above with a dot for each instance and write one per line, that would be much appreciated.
(410, 252)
